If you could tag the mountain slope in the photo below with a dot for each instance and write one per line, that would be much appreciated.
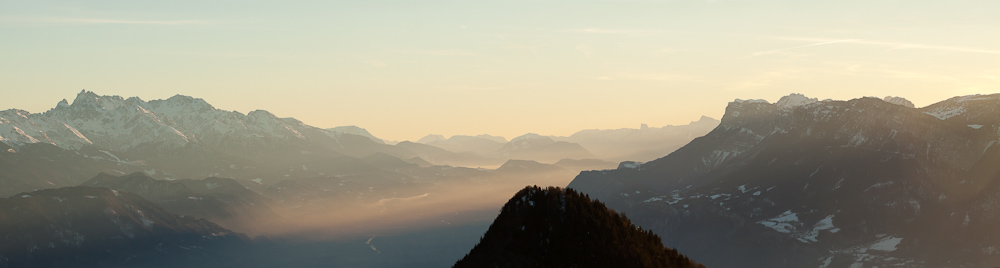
(220, 200)
(561, 228)
(96, 227)
(804, 182)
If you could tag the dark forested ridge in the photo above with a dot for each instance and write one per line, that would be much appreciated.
(556, 227)
(97, 227)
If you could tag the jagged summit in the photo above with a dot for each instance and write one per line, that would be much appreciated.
(120, 124)
(786, 102)
(899, 101)
(170, 105)
(795, 100)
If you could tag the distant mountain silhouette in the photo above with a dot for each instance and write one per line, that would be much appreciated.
(585, 164)
(642, 144)
(556, 227)
(542, 149)
(482, 144)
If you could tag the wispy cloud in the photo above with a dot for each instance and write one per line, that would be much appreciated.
(780, 50)
(607, 31)
(885, 44)
(77, 21)
(898, 45)
(443, 53)
(649, 77)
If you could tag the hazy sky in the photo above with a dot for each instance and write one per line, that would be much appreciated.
(404, 69)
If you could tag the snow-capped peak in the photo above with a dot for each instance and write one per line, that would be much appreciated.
(898, 101)
(116, 123)
(794, 100)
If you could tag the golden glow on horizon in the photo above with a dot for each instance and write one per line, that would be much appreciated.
(408, 69)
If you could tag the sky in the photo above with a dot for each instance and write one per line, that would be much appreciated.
(405, 69)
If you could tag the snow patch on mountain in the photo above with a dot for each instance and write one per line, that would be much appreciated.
(784, 223)
(826, 224)
(947, 112)
(788, 223)
(887, 243)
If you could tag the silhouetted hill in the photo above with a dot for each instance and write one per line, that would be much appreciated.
(556, 227)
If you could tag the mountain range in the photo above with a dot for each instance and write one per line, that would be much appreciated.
(796, 183)
(808, 183)
(186, 138)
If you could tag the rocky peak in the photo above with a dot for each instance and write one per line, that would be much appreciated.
(180, 104)
(899, 101)
(794, 100)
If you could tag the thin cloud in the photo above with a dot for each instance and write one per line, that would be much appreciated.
(648, 77)
(776, 51)
(54, 20)
(608, 31)
(889, 45)
(442, 53)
